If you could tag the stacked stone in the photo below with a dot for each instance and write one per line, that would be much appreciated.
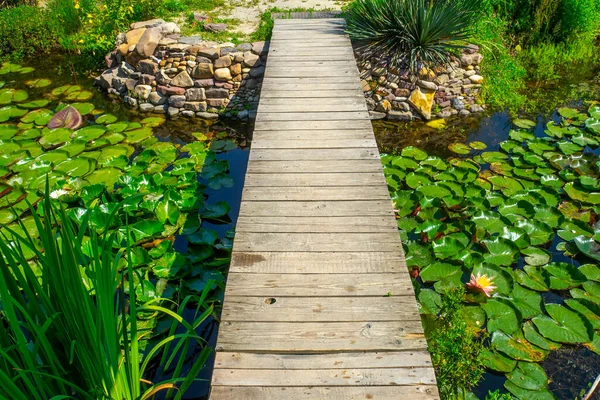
(398, 94)
(156, 70)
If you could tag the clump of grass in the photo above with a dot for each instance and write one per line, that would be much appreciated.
(69, 317)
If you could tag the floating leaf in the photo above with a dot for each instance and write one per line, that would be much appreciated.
(38, 83)
(564, 326)
(459, 148)
(68, 118)
(524, 123)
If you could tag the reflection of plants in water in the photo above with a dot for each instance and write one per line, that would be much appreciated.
(160, 179)
(526, 216)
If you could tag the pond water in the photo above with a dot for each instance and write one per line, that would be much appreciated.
(189, 172)
(569, 368)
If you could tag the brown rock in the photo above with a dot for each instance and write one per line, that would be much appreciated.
(203, 71)
(196, 106)
(223, 62)
(236, 69)
(402, 92)
(148, 42)
(222, 74)
(123, 49)
(171, 91)
(147, 67)
(133, 58)
(216, 102)
(209, 52)
(133, 36)
(182, 79)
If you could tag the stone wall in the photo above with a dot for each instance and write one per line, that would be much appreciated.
(156, 70)
(397, 94)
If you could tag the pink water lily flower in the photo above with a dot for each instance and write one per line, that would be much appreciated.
(482, 283)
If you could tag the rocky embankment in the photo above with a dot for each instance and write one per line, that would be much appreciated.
(398, 94)
(156, 70)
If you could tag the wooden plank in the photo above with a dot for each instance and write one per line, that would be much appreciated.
(318, 284)
(310, 81)
(377, 192)
(413, 392)
(315, 180)
(315, 208)
(313, 116)
(311, 94)
(312, 144)
(392, 359)
(312, 125)
(358, 101)
(312, 135)
(332, 42)
(319, 337)
(308, 107)
(267, 167)
(309, 242)
(340, 224)
(314, 154)
(325, 377)
(320, 263)
(311, 309)
(312, 63)
(299, 73)
(292, 84)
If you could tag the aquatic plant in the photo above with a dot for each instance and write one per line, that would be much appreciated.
(481, 283)
(413, 33)
(69, 318)
(526, 215)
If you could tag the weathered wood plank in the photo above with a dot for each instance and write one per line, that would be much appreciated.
(275, 93)
(325, 377)
(315, 180)
(319, 337)
(314, 116)
(377, 192)
(262, 167)
(281, 143)
(315, 208)
(391, 359)
(324, 263)
(275, 81)
(358, 101)
(314, 154)
(312, 125)
(318, 284)
(310, 108)
(311, 309)
(340, 224)
(414, 392)
(309, 242)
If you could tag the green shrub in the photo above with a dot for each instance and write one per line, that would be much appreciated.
(455, 349)
(415, 33)
(67, 14)
(26, 30)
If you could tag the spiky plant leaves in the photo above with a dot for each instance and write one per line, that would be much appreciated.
(414, 33)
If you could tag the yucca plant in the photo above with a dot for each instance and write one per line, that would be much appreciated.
(58, 339)
(412, 33)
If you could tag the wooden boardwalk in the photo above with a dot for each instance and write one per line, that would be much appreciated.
(319, 304)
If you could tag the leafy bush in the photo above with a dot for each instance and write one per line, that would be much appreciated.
(416, 33)
(455, 349)
(89, 344)
(26, 30)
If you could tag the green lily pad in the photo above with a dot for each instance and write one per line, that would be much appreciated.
(517, 347)
(459, 148)
(524, 123)
(563, 325)
(529, 376)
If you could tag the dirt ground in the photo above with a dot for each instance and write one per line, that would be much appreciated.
(247, 12)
